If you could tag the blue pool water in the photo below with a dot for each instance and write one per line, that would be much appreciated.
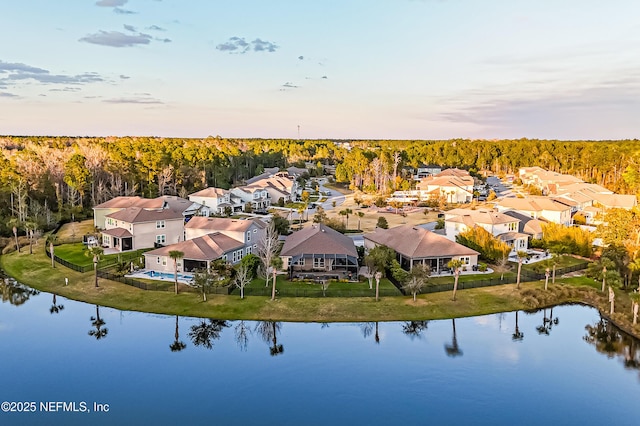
(167, 275)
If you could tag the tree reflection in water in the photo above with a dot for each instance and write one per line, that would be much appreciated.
(98, 323)
(268, 330)
(453, 350)
(414, 329)
(517, 334)
(177, 345)
(369, 327)
(242, 332)
(614, 343)
(547, 322)
(204, 333)
(14, 293)
(55, 308)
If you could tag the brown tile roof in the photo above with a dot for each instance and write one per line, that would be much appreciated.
(222, 224)
(418, 243)
(318, 239)
(172, 202)
(117, 232)
(139, 215)
(532, 204)
(211, 192)
(208, 247)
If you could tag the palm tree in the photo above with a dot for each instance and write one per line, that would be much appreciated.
(98, 323)
(51, 239)
(15, 234)
(416, 279)
(346, 213)
(455, 264)
(29, 229)
(453, 349)
(177, 345)
(95, 252)
(268, 330)
(635, 267)
(517, 334)
(55, 308)
(635, 301)
(522, 255)
(414, 329)
(175, 255)
(378, 276)
(360, 216)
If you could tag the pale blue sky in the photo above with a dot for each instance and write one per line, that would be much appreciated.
(383, 69)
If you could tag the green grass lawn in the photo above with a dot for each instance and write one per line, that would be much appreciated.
(561, 262)
(310, 288)
(76, 254)
(435, 280)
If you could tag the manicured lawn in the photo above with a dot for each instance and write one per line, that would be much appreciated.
(435, 280)
(562, 262)
(306, 288)
(75, 253)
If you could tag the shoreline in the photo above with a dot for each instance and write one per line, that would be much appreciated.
(31, 270)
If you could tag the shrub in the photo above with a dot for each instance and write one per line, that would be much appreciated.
(382, 223)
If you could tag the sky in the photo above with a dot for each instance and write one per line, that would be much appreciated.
(321, 69)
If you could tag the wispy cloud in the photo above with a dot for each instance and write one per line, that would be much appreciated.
(290, 85)
(143, 99)
(116, 39)
(130, 28)
(239, 45)
(12, 73)
(6, 67)
(111, 3)
(124, 77)
(121, 11)
(156, 28)
(8, 95)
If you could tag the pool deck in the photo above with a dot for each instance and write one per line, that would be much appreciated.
(142, 273)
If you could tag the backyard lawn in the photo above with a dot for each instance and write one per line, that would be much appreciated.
(76, 254)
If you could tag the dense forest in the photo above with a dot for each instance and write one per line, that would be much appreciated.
(44, 180)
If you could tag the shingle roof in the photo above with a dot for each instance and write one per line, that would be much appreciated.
(318, 239)
(479, 216)
(418, 243)
(119, 203)
(211, 192)
(207, 247)
(532, 204)
(527, 224)
(117, 232)
(222, 224)
(139, 215)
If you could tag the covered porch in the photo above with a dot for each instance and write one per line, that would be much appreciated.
(327, 265)
(118, 239)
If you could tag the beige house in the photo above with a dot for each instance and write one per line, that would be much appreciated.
(213, 199)
(453, 184)
(415, 245)
(198, 253)
(249, 231)
(538, 208)
(499, 225)
(320, 250)
(171, 202)
(137, 228)
(255, 195)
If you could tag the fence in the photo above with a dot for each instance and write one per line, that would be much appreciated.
(315, 292)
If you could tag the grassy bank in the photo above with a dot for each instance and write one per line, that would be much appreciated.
(35, 270)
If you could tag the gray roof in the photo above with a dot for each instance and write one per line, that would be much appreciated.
(318, 239)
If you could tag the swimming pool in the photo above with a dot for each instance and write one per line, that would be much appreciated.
(166, 275)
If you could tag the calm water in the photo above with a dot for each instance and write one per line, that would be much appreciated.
(573, 369)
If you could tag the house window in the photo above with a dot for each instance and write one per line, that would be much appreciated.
(513, 226)
(255, 230)
(161, 239)
(248, 235)
(255, 246)
(318, 262)
(164, 261)
(299, 262)
(465, 260)
(159, 224)
(158, 260)
(248, 250)
(224, 257)
(105, 239)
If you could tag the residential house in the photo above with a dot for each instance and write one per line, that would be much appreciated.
(137, 228)
(185, 207)
(254, 195)
(415, 245)
(456, 189)
(320, 249)
(214, 200)
(499, 225)
(538, 207)
(528, 225)
(426, 170)
(249, 231)
(198, 253)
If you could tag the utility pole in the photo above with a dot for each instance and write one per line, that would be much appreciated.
(298, 131)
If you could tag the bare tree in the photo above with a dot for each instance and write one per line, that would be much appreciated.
(242, 333)
(267, 250)
(243, 278)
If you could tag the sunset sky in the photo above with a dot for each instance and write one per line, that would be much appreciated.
(381, 69)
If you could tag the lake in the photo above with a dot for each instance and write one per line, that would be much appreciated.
(60, 358)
